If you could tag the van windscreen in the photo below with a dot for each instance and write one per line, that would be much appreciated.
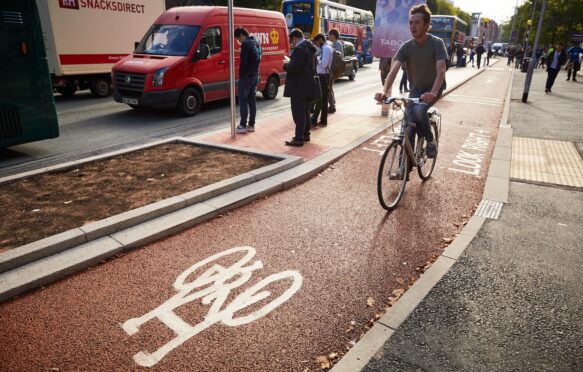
(169, 40)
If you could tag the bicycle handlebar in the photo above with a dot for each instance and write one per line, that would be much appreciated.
(389, 100)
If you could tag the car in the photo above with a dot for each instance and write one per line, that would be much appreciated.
(350, 60)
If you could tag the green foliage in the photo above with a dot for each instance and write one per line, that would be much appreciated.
(561, 18)
(445, 8)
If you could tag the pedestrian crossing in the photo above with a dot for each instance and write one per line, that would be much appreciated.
(474, 100)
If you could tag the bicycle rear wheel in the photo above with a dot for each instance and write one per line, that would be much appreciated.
(424, 164)
(392, 175)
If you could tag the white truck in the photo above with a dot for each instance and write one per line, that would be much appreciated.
(84, 38)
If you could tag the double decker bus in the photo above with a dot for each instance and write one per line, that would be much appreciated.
(451, 29)
(27, 106)
(315, 16)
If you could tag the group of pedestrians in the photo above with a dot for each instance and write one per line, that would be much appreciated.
(475, 56)
(309, 83)
(557, 57)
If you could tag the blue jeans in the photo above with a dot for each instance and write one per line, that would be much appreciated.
(418, 114)
(247, 103)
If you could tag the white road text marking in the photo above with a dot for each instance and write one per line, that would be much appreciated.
(469, 158)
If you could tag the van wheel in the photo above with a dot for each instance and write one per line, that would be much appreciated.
(271, 88)
(100, 87)
(190, 102)
(67, 90)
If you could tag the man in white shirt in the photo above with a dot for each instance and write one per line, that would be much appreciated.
(334, 37)
(323, 71)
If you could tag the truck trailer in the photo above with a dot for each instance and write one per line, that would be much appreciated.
(85, 38)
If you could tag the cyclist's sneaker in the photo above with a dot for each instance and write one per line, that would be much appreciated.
(241, 129)
(250, 128)
(431, 150)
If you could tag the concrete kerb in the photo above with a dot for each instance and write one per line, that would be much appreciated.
(372, 342)
(157, 227)
(57, 243)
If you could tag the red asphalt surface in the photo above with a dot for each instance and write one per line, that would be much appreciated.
(331, 230)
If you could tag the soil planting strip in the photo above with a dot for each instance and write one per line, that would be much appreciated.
(57, 266)
(373, 341)
(31, 252)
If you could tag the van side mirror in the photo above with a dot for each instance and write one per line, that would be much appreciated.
(202, 52)
(136, 44)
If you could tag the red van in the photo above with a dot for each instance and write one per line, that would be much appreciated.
(183, 61)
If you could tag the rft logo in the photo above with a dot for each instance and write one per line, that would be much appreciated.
(69, 4)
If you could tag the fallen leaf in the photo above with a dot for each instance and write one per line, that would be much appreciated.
(150, 179)
(400, 280)
(353, 323)
(456, 224)
(378, 316)
(349, 329)
(370, 302)
(68, 202)
(447, 240)
(36, 210)
(324, 362)
(333, 356)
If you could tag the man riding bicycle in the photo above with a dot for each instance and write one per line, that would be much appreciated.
(425, 56)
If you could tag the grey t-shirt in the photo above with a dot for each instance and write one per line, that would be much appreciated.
(420, 61)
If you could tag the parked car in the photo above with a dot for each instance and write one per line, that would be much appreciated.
(350, 59)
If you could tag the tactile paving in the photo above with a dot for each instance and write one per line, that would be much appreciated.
(547, 161)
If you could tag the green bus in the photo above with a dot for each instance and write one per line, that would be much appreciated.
(27, 105)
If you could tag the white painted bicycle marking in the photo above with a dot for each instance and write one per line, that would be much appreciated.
(213, 287)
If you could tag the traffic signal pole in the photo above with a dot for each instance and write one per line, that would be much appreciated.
(533, 58)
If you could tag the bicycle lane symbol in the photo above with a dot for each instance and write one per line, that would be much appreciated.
(213, 287)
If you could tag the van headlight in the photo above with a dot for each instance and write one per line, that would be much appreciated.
(158, 79)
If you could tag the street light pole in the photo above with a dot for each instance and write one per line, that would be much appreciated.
(232, 66)
(533, 59)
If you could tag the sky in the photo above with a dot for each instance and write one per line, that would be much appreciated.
(498, 10)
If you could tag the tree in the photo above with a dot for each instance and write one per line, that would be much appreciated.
(562, 17)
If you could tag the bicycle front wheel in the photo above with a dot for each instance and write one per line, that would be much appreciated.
(392, 176)
(426, 165)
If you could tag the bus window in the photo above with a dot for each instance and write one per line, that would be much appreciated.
(301, 7)
(357, 18)
(349, 15)
(341, 15)
(333, 14)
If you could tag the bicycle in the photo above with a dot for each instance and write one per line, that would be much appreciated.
(399, 156)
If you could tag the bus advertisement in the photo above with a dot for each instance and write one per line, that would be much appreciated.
(319, 16)
(451, 29)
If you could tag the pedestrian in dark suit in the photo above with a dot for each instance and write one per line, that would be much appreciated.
(556, 59)
(479, 51)
(299, 85)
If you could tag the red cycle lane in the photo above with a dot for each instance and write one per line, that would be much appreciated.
(272, 285)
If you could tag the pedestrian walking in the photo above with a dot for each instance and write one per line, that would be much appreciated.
(404, 79)
(248, 78)
(519, 56)
(557, 58)
(574, 59)
(543, 58)
(324, 62)
(488, 56)
(459, 56)
(334, 37)
(384, 68)
(511, 53)
(472, 55)
(299, 84)
(479, 51)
